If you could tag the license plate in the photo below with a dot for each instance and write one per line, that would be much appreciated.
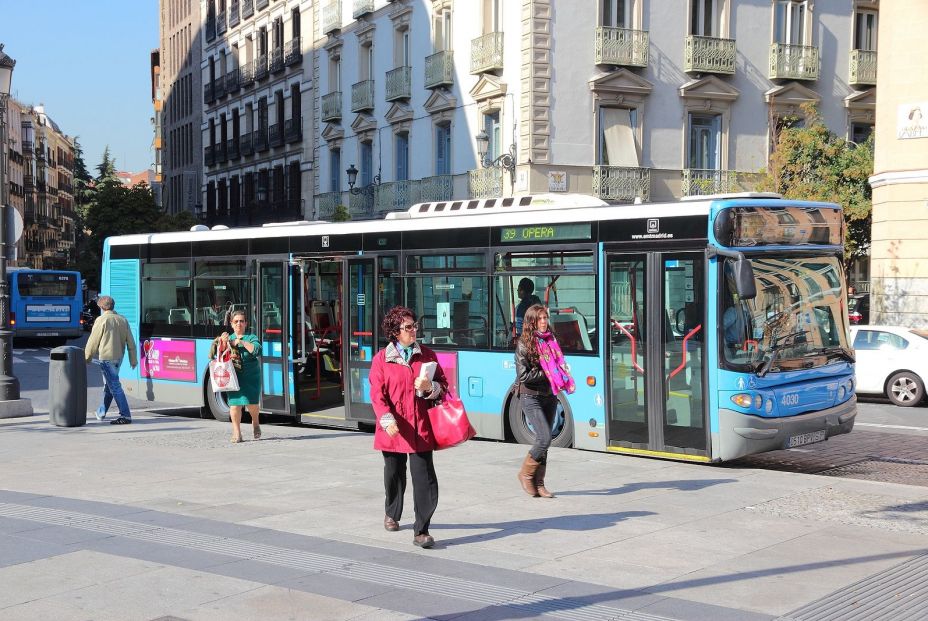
(46, 334)
(806, 438)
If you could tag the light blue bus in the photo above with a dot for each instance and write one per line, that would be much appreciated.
(45, 304)
(698, 330)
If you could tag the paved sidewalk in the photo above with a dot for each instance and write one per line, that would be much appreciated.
(165, 519)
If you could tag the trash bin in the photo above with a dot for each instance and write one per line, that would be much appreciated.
(67, 387)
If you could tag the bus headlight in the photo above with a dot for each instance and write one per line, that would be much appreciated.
(742, 400)
(758, 402)
(769, 406)
(841, 392)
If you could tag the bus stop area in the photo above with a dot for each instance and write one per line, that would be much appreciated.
(167, 520)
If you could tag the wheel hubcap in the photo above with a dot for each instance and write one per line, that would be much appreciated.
(904, 390)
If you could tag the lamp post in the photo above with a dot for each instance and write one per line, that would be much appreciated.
(9, 385)
(506, 161)
(352, 173)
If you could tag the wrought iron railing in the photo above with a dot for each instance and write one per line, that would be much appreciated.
(361, 206)
(209, 95)
(246, 145)
(246, 74)
(486, 53)
(248, 8)
(621, 183)
(326, 204)
(276, 135)
(232, 149)
(362, 96)
(209, 157)
(486, 182)
(232, 81)
(709, 55)
(261, 67)
(332, 106)
(233, 13)
(277, 59)
(863, 67)
(702, 182)
(259, 138)
(293, 130)
(331, 16)
(399, 83)
(396, 196)
(437, 188)
(793, 62)
(621, 46)
(439, 69)
(219, 86)
(221, 22)
(294, 53)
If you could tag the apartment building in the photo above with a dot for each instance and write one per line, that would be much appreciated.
(46, 162)
(178, 102)
(15, 169)
(624, 99)
(257, 90)
(898, 252)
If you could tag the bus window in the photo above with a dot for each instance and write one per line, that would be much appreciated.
(389, 288)
(451, 309)
(166, 303)
(219, 286)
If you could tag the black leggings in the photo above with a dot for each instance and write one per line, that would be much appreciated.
(424, 487)
(540, 411)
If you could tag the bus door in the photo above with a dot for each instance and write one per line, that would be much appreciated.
(359, 334)
(272, 318)
(656, 353)
(317, 334)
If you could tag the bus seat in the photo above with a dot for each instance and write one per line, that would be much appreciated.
(271, 318)
(320, 314)
(179, 316)
(570, 328)
(155, 315)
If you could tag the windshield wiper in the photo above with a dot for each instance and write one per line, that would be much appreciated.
(778, 345)
(841, 352)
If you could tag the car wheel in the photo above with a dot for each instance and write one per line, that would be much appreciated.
(905, 389)
(216, 404)
(562, 431)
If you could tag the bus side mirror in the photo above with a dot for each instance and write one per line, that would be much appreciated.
(744, 278)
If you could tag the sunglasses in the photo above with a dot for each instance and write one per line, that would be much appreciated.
(410, 327)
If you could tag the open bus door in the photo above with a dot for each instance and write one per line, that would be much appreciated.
(359, 335)
(272, 318)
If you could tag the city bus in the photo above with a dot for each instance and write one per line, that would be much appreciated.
(45, 304)
(700, 330)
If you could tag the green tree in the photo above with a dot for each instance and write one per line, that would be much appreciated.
(340, 214)
(106, 169)
(84, 192)
(812, 163)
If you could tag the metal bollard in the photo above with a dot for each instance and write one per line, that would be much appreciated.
(67, 387)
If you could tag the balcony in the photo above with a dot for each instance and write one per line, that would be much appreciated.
(396, 196)
(27, 147)
(332, 107)
(232, 149)
(486, 182)
(248, 8)
(233, 13)
(293, 130)
(221, 22)
(210, 27)
(621, 46)
(793, 62)
(277, 60)
(709, 55)
(437, 188)
(29, 182)
(222, 155)
(294, 54)
(863, 67)
(486, 53)
(261, 67)
(326, 204)
(246, 74)
(219, 87)
(276, 134)
(361, 206)
(332, 17)
(209, 155)
(439, 69)
(362, 96)
(619, 183)
(703, 182)
(362, 7)
(232, 81)
(399, 83)
(245, 145)
(261, 4)
(259, 137)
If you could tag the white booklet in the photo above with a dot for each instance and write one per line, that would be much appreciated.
(428, 371)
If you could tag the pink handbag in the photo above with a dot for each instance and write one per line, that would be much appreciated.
(450, 425)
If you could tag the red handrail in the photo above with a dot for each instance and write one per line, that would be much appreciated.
(634, 346)
(685, 339)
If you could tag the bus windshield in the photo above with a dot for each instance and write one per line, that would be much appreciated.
(46, 284)
(797, 320)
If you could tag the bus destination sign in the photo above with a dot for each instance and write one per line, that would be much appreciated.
(545, 233)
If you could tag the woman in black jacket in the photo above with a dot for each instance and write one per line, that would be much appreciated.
(541, 375)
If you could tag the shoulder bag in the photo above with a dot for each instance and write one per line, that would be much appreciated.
(450, 425)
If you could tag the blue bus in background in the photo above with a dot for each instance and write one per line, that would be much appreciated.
(701, 330)
(45, 304)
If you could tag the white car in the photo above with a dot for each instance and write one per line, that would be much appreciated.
(891, 361)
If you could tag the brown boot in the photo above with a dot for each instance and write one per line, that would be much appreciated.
(540, 481)
(527, 475)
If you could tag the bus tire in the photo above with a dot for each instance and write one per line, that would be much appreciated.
(563, 434)
(216, 404)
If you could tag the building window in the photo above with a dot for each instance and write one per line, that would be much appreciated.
(618, 138)
(704, 18)
(367, 164)
(705, 138)
(335, 75)
(441, 34)
(617, 13)
(790, 22)
(492, 16)
(335, 168)
(861, 132)
(865, 23)
(492, 129)
(402, 157)
(443, 149)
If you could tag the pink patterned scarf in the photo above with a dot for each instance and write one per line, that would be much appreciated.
(552, 363)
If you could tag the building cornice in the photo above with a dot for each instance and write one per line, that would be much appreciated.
(899, 177)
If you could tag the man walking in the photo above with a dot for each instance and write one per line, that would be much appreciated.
(108, 340)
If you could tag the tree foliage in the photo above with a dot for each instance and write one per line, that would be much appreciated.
(812, 163)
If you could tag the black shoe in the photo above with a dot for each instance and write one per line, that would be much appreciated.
(423, 541)
(390, 524)
(121, 421)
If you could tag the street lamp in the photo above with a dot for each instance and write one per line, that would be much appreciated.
(352, 173)
(506, 161)
(9, 385)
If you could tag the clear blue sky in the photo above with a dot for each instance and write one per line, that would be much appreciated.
(88, 62)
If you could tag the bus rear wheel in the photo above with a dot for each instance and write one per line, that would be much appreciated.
(562, 431)
(216, 405)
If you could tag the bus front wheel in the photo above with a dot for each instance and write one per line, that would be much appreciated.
(562, 430)
(216, 405)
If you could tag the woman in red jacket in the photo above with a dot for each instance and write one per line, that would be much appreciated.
(401, 399)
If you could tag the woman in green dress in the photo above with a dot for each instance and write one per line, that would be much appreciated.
(246, 350)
